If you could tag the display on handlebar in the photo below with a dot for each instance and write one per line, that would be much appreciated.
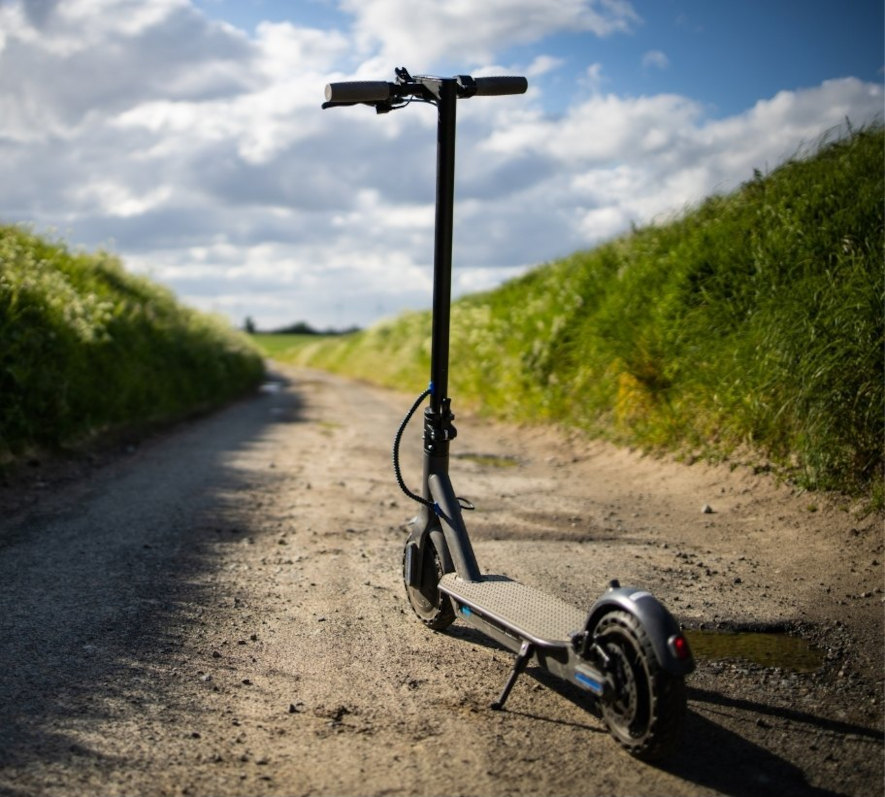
(385, 96)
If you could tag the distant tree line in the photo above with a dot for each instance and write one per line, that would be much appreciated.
(298, 328)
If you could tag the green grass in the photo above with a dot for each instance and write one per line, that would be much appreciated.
(750, 326)
(282, 346)
(86, 347)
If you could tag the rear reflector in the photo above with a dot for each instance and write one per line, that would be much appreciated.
(679, 647)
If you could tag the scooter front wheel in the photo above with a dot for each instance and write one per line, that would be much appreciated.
(432, 607)
(646, 710)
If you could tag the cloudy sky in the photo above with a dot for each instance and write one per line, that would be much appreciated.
(187, 135)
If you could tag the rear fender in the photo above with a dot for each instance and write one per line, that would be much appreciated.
(659, 624)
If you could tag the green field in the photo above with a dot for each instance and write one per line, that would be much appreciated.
(87, 348)
(750, 328)
(283, 347)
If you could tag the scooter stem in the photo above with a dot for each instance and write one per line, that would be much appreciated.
(438, 427)
(442, 252)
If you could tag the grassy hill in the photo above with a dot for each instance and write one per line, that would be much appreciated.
(754, 323)
(86, 347)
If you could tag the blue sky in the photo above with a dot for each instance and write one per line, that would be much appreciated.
(186, 135)
(724, 54)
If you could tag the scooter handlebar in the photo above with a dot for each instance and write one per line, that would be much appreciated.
(383, 94)
(498, 86)
(358, 91)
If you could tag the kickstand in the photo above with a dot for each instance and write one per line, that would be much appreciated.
(525, 653)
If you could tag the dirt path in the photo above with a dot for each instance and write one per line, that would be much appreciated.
(221, 612)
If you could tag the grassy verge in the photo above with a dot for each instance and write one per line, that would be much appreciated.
(86, 347)
(754, 323)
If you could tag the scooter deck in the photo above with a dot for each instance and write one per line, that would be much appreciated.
(533, 615)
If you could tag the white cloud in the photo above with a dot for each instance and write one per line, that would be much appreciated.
(655, 59)
(64, 62)
(75, 26)
(115, 199)
(543, 64)
(200, 153)
(471, 33)
(633, 159)
(602, 128)
(593, 78)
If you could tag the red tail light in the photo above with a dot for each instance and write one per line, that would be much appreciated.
(679, 647)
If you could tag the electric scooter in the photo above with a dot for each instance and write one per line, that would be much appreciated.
(627, 653)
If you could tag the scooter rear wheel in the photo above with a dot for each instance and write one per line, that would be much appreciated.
(432, 607)
(647, 710)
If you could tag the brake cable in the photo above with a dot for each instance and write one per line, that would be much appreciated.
(464, 503)
(396, 441)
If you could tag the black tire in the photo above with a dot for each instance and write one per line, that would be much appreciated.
(431, 606)
(647, 712)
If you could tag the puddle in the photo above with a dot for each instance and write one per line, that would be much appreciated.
(767, 649)
(271, 387)
(489, 460)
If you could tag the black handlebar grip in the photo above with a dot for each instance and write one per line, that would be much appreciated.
(358, 91)
(496, 86)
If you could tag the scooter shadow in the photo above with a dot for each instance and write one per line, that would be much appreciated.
(711, 755)
(718, 758)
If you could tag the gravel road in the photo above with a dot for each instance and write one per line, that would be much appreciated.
(218, 610)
